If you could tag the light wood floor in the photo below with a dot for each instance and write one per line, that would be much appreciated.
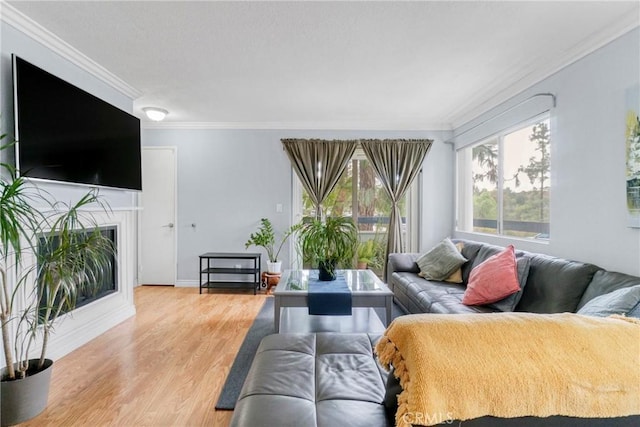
(164, 367)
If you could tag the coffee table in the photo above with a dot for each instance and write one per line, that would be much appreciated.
(367, 292)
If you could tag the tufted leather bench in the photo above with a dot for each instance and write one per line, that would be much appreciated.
(316, 379)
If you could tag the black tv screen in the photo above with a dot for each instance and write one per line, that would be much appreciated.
(66, 134)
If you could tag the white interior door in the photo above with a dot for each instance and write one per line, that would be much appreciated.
(158, 218)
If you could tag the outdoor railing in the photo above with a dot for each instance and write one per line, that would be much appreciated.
(524, 226)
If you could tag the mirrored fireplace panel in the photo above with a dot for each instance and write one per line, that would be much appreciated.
(103, 285)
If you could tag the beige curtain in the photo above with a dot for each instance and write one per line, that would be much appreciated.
(397, 162)
(319, 164)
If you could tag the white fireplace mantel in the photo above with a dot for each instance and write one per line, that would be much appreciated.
(89, 321)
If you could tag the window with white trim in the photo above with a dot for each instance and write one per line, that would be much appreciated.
(504, 182)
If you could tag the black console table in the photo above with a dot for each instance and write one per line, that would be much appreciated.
(209, 268)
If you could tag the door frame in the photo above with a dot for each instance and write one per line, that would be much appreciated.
(174, 149)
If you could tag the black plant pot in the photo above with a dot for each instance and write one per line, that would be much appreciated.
(326, 271)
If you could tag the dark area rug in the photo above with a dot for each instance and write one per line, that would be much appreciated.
(261, 327)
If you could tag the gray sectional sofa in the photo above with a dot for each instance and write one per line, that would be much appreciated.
(552, 285)
(329, 379)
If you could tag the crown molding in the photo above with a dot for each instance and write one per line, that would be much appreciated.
(329, 125)
(494, 95)
(11, 16)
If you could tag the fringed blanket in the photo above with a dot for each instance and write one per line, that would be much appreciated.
(512, 365)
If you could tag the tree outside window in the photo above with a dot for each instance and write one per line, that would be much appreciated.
(504, 183)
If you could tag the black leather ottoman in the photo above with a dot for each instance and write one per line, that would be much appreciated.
(317, 379)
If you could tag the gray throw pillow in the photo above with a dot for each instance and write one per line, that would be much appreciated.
(622, 301)
(440, 261)
(635, 311)
(510, 302)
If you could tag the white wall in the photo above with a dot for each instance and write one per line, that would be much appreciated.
(588, 202)
(13, 41)
(93, 319)
(229, 179)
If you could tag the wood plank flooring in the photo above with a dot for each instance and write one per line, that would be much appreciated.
(164, 367)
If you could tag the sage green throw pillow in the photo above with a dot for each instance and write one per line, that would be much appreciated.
(440, 261)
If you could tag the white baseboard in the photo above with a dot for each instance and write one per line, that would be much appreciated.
(187, 284)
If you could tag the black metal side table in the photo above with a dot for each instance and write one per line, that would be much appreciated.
(211, 269)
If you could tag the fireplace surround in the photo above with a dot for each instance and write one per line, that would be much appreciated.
(93, 318)
(106, 284)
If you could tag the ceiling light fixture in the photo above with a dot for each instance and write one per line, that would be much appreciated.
(155, 114)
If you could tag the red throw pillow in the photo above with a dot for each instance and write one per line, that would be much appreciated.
(493, 280)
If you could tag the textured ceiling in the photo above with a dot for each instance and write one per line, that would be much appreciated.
(372, 65)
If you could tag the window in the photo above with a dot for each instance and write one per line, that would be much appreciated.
(504, 182)
(359, 194)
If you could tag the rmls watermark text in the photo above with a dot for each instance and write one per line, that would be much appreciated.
(428, 419)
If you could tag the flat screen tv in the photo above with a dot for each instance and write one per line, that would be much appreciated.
(65, 134)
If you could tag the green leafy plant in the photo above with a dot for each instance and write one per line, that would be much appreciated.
(265, 237)
(76, 257)
(48, 281)
(379, 253)
(371, 252)
(329, 244)
(366, 251)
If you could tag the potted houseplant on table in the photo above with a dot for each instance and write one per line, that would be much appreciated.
(49, 251)
(329, 244)
(265, 237)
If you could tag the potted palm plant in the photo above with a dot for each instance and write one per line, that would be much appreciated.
(265, 237)
(329, 244)
(54, 251)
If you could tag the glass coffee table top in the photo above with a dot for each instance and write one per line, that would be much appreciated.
(357, 281)
(368, 293)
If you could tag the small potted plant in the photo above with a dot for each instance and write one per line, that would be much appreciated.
(366, 252)
(329, 244)
(265, 237)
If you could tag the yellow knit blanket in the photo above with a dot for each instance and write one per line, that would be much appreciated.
(457, 366)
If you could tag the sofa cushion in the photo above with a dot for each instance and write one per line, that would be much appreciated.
(606, 281)
(477, 253)
(404, 262)
(494, 279)
(635, 312)
(622, 301)
(486, 251)
(313, 380)
(452, 304)
(441, 261)
(416, 294)
(509, 303)
(555, 285)
(469, 251)
(393, 389)
(456, 276)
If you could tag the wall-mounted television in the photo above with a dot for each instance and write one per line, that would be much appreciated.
(67, 135)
